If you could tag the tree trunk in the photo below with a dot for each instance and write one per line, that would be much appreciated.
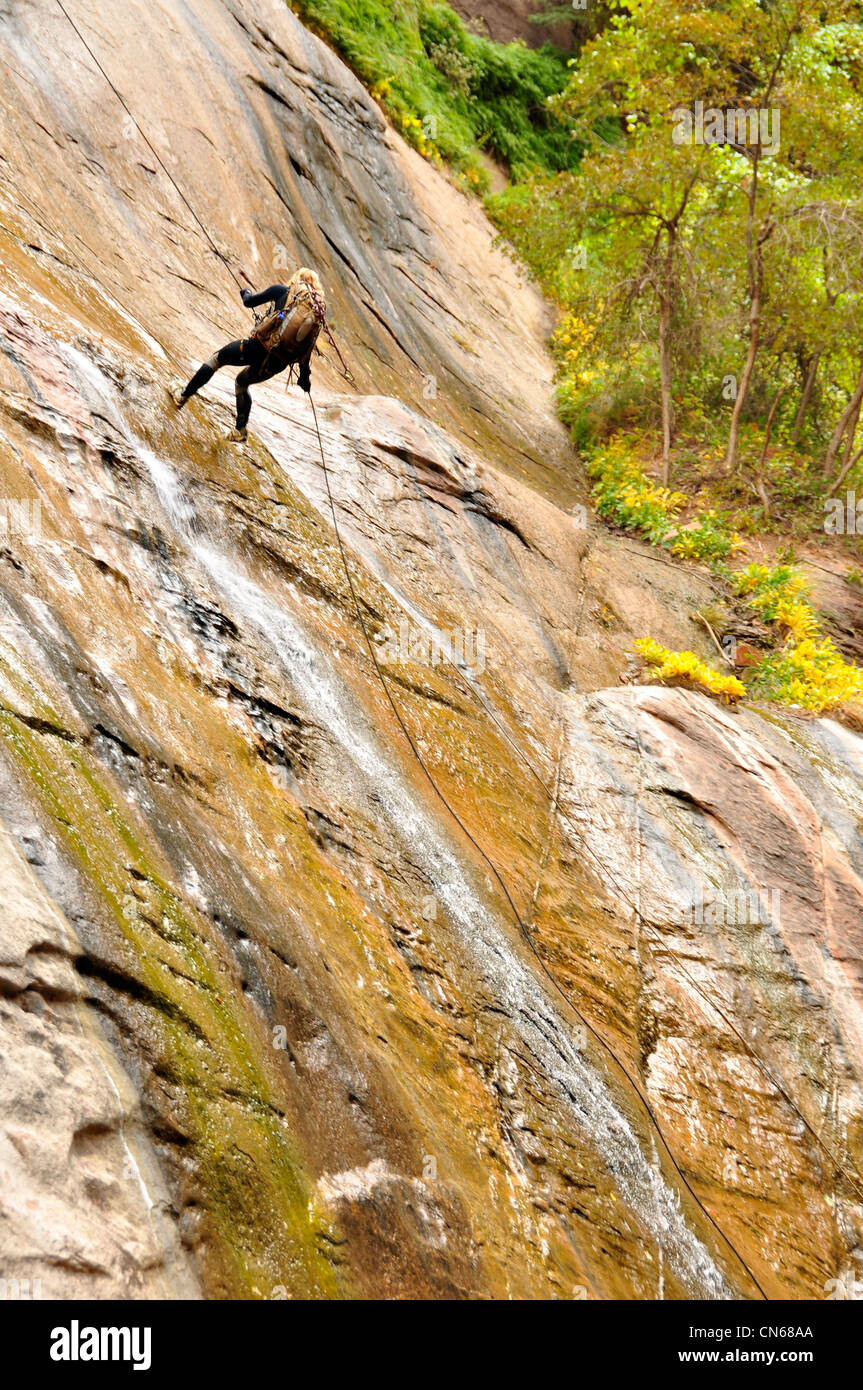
(850, 433)
(755, 266)
(743, 388)
(769, 425)
(759, 475)
(844, 471)
(665, 386)
(808, 388)
(851, 410)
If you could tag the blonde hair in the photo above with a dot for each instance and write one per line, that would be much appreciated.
(305, 276)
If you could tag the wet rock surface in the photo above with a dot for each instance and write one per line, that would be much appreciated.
(84, 1211)
(352, 1064)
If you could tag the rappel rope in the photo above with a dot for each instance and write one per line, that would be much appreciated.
(236, 276)
(478, 847)
(151, 147)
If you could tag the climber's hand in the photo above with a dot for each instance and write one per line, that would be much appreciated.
(245, 295)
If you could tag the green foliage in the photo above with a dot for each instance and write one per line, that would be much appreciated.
(811, 674)
(778, 594)
(710, 538)
(808, 670)
(679, 235)
(624, 494)
(452, 93)
(660, 251)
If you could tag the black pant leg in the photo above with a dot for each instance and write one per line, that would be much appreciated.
(259, 366)
(239, 353)
(244, 399)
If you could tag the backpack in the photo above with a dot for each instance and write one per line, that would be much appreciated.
(292, 332)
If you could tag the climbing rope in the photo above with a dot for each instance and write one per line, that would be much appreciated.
(415, 750)
(151, 147)
(235, 275)
(648, 927)
(516, 914)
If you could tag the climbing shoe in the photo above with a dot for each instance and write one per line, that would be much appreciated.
(177, 396)
(235, 437)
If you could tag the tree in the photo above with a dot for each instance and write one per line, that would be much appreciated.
(706, 126)
(638, 192)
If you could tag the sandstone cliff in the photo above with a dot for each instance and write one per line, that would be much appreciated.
(270, 1026)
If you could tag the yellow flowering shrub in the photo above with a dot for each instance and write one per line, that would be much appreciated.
(710, 538)
(572, 338)
(685, 668)
(624, 493)
(810, 673)
(766, 586)
(809, 670)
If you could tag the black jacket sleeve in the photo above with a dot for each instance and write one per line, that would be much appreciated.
(277, 293)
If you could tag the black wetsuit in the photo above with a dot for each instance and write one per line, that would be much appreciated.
(251, 355)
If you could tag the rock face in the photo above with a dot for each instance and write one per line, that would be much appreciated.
(249, 957)
(85, 1209)
(506, 20)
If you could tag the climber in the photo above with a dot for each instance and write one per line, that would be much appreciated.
(285, 338)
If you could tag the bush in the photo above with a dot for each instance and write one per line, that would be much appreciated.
(687, 669)
(776, 594)
(624, 494)
(711, 538)
(808, 671)
(450, 92)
